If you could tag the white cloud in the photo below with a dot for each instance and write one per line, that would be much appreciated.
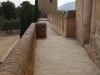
(18, 2)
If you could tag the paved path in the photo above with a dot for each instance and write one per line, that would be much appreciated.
(57, 55)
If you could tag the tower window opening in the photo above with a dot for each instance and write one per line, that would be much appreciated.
(50, 1)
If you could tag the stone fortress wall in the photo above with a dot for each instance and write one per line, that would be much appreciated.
(85, 25)
(63, 22)
(88, 27)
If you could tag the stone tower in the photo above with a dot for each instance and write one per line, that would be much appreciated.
(47, 6)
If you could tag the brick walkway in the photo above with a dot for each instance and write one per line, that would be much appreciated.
(57, 55)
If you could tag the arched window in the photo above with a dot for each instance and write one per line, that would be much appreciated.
(50, 1)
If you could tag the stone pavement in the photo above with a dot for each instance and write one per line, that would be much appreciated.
(58, 55)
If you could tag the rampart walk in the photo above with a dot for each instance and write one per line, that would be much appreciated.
(54, 54)
(58, 55)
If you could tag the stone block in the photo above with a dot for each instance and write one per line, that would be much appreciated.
(41, 31)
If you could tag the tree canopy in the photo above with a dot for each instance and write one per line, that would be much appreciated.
(26, 16)
(8, 10)
(36, 15)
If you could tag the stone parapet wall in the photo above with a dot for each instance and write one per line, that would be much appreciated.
(21, 59)
(88, 27)
(63, 22)
(95, 33)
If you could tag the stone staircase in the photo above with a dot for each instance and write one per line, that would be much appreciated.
(58, 55)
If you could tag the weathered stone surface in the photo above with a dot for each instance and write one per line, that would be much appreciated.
(83, 20)
(88, 22)
(87, 26)
(71, 24)
(64, 28)
(20, 60)
(95, 34)
(41, 31)
(79, 19)
(57, 55)
(45, 7)
(64, 23)
(60, 22)
(87, 13)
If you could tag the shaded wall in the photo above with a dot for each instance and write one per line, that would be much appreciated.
(94, 50)
(83, 20)
(79, 20)
(87, 15)
(88, 27)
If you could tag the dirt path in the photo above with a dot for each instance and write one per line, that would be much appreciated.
(5, 44)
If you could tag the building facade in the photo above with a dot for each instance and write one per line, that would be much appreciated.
(47, 6)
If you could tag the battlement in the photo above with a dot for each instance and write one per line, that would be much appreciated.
(82, 24)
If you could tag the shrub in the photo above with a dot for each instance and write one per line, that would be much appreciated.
(1, 23)
(36, 15)
(9, 25)
(15, 24)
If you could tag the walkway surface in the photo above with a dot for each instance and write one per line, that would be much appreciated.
(58, 55)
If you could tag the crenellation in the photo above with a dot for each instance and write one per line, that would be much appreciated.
(64, 23)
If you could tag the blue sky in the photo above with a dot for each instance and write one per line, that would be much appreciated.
(18, 2)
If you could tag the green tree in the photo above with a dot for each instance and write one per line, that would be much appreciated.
(0, 11)
(1, 24)
(18, 9)
(9, 25)
(8, 9)
(26, 16)
(36, 15)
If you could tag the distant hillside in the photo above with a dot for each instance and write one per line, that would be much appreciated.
(67, 6)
